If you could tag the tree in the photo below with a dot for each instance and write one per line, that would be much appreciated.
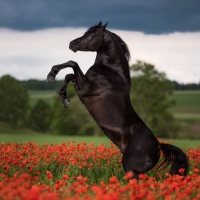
(149, 93)
(40, 116)
(14, 100)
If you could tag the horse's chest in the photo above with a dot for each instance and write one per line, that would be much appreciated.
(91, 103)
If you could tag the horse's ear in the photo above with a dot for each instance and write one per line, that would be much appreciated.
(104, 26)
(99, 24)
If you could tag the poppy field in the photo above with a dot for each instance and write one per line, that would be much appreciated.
(79, 171)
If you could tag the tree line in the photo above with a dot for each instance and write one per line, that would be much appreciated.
(149, 92)
(34, 84)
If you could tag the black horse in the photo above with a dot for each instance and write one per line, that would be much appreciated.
(105, 92)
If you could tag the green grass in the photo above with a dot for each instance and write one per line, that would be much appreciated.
(54, 139)
(187, 98)
(51, 139)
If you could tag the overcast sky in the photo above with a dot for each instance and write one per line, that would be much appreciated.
(35, 35)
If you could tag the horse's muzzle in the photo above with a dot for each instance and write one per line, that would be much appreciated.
(73, 46)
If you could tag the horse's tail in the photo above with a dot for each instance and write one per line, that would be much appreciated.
(174, 156)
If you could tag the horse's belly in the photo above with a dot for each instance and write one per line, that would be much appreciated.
(105, 112)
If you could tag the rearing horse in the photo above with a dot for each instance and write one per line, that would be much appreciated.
(105, 92)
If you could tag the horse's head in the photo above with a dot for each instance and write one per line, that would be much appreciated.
(91, 40)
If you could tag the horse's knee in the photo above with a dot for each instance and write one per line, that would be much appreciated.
(72, 64)
(55, 70)
(69, 77)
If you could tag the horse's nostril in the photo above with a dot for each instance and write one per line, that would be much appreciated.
(72, 43)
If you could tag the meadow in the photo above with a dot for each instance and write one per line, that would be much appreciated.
(79, 171)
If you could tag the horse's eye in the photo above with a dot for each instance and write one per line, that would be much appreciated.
(92, 35)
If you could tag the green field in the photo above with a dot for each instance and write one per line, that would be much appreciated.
(186, 110)
(54, 139)
(47, 95)
(187, 102)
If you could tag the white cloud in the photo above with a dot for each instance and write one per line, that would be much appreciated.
(32, 54)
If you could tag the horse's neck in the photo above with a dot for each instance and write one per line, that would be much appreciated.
(108, 54)
(112, 56)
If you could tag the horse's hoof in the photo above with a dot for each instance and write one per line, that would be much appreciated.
(66, 102)
(50, 78)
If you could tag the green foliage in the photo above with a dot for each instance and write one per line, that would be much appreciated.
(149, 92)
(40, 116)
(74, 119)
(14, 100)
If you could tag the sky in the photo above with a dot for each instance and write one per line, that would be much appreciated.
(35, 34)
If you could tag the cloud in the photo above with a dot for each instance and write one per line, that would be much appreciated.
(152, 17)
(28, 55)
(32, 54)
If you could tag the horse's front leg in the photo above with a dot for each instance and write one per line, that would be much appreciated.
(62, 92)
(80, 79)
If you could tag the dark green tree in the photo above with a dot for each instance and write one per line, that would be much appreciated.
(14, 100)
(149, 95)
(40, 116)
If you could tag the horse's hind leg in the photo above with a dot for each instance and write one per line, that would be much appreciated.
(142, 152)
(137, 163)
(62, 92)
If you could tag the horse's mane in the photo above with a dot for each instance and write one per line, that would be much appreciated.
(126, 53)
(123, 46)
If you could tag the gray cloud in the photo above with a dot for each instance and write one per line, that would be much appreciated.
(28, 55)
(152, 17)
